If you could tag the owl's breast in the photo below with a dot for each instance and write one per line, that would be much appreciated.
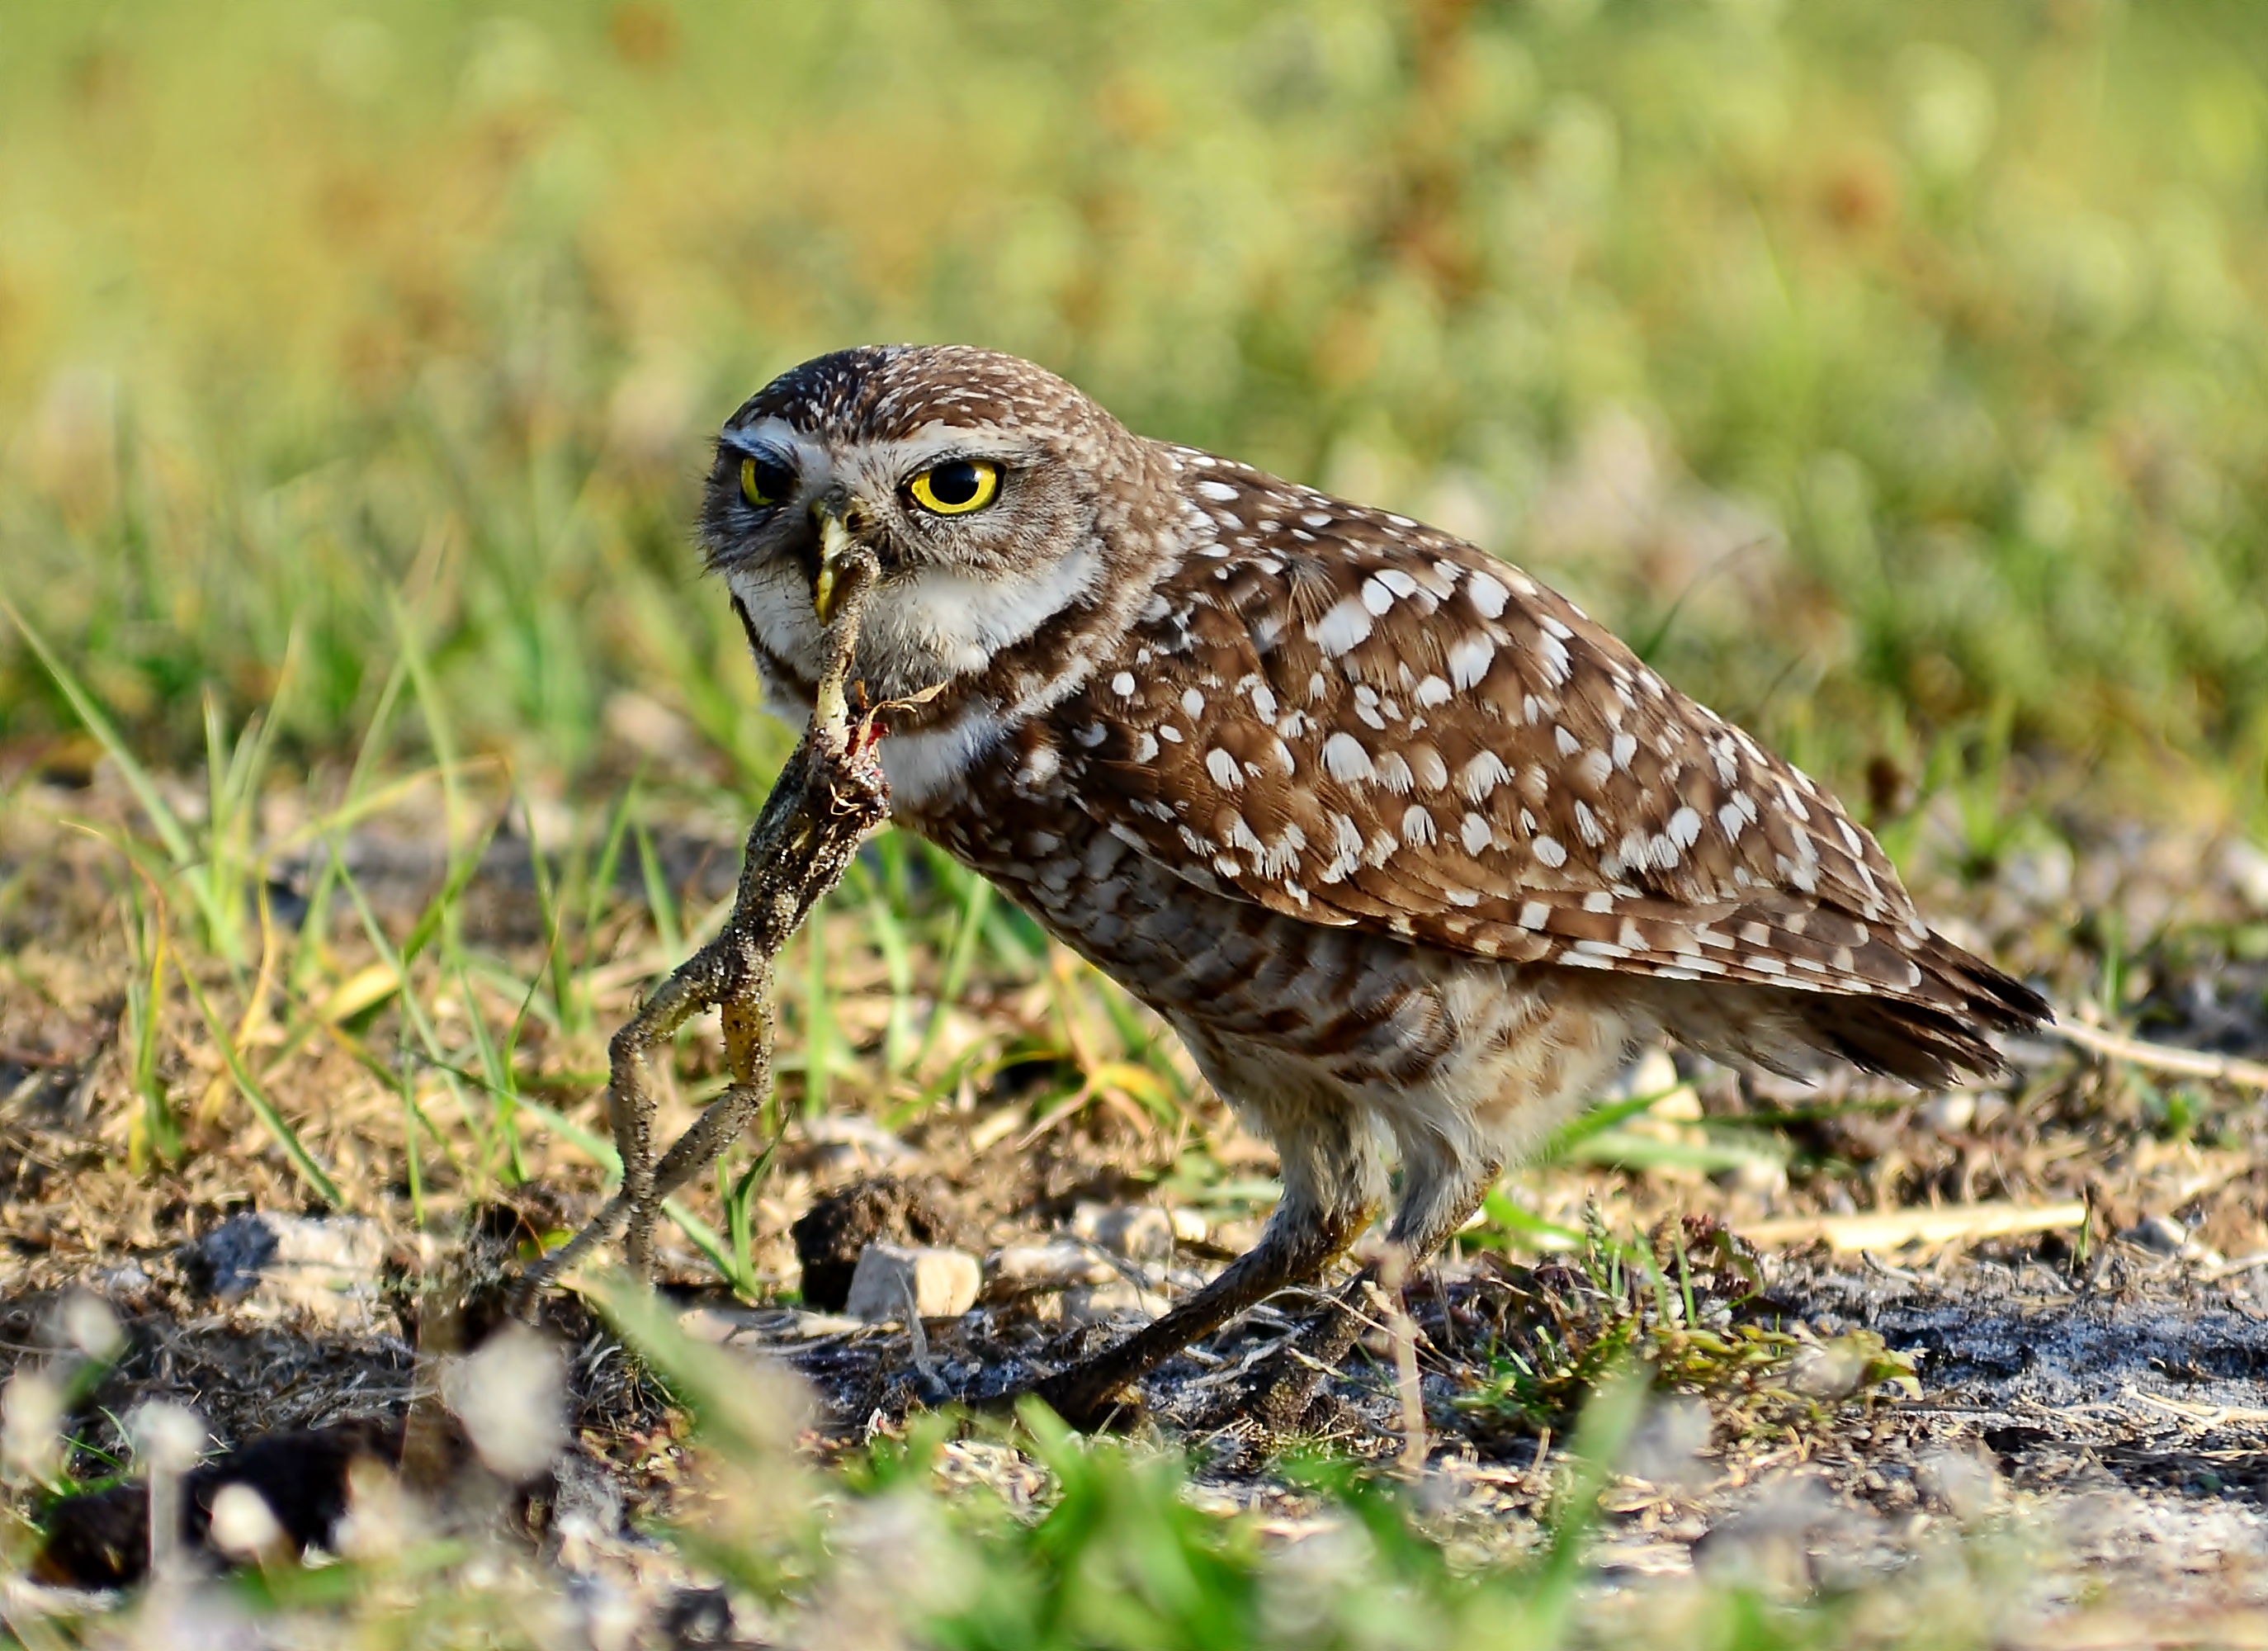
(1370, 1008)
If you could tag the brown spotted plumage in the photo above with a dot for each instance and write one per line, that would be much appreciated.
(1400, 841)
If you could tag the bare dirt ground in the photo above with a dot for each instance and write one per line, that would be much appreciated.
(2093, 1398)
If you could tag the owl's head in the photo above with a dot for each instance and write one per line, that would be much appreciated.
(996, 498)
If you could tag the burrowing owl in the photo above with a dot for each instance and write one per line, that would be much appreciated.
(1401, 843)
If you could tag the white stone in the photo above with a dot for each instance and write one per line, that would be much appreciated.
(943, 1282)
(1139, 1231)
(1116, 1301)
(1052, 1265)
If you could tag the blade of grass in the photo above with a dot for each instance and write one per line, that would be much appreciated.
(311, 1171)
(977, 900)
(818, 1012)
(660, 902)
(1597, 1121)
(703, 1237)
(179, 847)
(891, 941)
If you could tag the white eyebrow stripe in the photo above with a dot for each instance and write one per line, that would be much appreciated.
(817, 462)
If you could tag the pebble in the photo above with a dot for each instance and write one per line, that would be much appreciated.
(1053, 1265)
(1950, 1113)
(845, 1142)
(2160, 1235)
(943, 1282)
(271, 1265)
(1110, 1303)
(1139, 1231)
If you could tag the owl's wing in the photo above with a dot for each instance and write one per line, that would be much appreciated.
(1350, 718)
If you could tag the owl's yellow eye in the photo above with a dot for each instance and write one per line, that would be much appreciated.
(956, 488)
(763, 483)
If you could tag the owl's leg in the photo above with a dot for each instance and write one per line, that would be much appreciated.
(1443, 1184)
(1331, 1185)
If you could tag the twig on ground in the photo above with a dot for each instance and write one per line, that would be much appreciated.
(2186, 1063)
(1887, 1229)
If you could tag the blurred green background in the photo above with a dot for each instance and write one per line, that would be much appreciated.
(1893, 373)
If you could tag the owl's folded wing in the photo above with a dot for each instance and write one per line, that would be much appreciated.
(1393, 731)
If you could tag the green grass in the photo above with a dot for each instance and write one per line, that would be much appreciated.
(1895, 372)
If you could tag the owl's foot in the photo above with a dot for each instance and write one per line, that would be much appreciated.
(1280, 1392)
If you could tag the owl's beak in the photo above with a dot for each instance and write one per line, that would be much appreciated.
(833, 545)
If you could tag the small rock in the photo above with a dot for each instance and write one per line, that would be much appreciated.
(2245, 865)
(1964, 1480)
(1189, 1227)
(1950, 1113)
(324, 1266)
(943, 1282)
(833, 1234)
(1109, 1303)
(2041, 877)
(1050, 1266)
(1766, 1178)
(853, 1142)
(1137, 1232)
(2160, 1235)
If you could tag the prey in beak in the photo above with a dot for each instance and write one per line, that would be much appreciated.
(835, 547)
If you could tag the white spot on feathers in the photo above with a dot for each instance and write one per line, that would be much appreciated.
(1417, 828)
(1469, 659)
(1344, 759)
(1122, 684)
(1475, 833)
(1223, 768)
(1480, 776)
(1554, 655)
(1487, 595)
(1220, 492)
(1193, 703)
(1550, 852)
(1346, 626)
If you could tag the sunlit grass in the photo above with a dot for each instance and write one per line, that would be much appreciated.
(1894, 373)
